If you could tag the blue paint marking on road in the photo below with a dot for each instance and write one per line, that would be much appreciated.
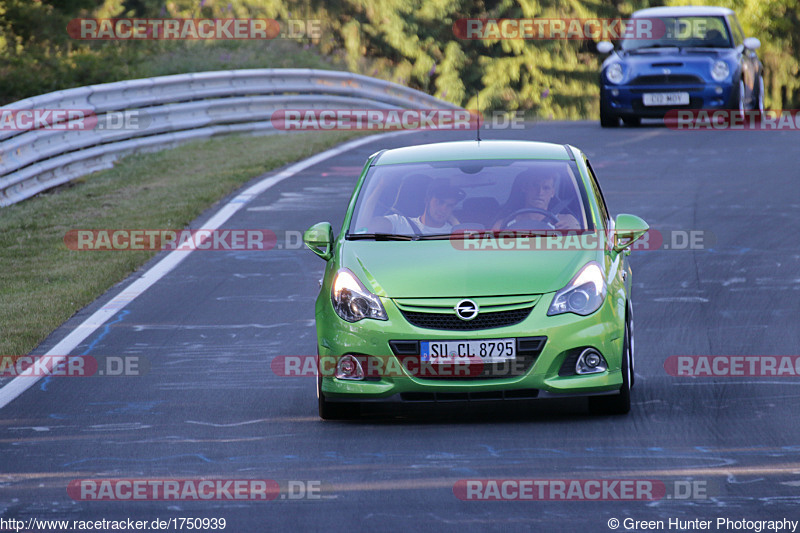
(106, 331)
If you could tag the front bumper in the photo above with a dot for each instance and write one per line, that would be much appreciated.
(627, 100)
(603, 330)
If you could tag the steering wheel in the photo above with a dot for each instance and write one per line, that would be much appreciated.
(547, 214)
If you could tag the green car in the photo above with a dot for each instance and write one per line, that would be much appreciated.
(474, 271)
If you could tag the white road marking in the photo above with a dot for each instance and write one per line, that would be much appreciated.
(59, 352)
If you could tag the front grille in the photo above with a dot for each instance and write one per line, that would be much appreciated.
(450, 321)
(528, 350)
(667, 79)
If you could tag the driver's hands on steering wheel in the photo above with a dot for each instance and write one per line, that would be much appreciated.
(567, 221)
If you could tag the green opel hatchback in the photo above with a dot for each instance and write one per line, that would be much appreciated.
(475, 271)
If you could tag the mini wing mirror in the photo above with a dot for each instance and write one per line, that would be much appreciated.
(627, 230)
(319, 238)
(605, 47)
(751, 43)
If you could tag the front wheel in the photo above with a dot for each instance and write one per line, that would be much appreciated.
(335, 410)
(607, 118)
(760, 100)
(619, 404)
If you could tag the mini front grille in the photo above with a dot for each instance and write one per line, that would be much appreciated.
(450, 321)
(667, 79)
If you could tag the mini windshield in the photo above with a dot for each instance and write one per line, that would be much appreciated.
(440, 198)
(683, 32)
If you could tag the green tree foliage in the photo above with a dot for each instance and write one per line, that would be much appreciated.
(411, 42)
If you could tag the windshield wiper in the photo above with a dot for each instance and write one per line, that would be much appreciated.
(435, 236)
(379, 237)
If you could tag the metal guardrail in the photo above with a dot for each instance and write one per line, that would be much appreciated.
(178, 109)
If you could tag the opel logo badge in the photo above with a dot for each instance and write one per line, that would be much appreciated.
(466, 309)
(666, 71)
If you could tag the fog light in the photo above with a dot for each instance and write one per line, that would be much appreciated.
(614, 92)
(590, 362)
(718, 89)
(349, 367)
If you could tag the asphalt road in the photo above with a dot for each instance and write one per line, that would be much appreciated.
(210, 406)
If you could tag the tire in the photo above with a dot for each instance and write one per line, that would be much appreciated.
(632, 121)
(618, 404)
(759, 106)
(607, 119)
(335, 410)
(737, 99)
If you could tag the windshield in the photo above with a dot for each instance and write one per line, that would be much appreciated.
(438, 199)
(683, 32)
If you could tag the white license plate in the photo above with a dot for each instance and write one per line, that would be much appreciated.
(468, 352)
(651, 99)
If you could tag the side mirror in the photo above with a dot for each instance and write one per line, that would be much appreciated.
(319, 238)
(627, 230)
(605, 47)
(751, 43)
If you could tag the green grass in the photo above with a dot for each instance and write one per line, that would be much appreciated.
(42, 283)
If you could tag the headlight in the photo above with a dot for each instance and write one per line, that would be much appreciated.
(614, 73)
(583, 295)
(352, 301)
(720, 70)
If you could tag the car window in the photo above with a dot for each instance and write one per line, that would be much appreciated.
(684, 32)
(598, 195)
(452, 196)
(738, 33)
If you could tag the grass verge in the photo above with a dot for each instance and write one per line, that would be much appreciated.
(42, 283)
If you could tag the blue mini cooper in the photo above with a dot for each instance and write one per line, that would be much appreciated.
(690, 57)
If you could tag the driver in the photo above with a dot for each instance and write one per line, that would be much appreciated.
(536, 191)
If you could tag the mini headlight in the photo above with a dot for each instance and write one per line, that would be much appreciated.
(614, 73)
(352, 301)
(583, 295)
(720, 70)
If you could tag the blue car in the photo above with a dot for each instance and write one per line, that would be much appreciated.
(679, 58)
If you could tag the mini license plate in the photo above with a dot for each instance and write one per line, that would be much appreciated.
(654, 99)
(468, 352)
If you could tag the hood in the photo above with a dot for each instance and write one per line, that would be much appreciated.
(420, 269)
(654, 61)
